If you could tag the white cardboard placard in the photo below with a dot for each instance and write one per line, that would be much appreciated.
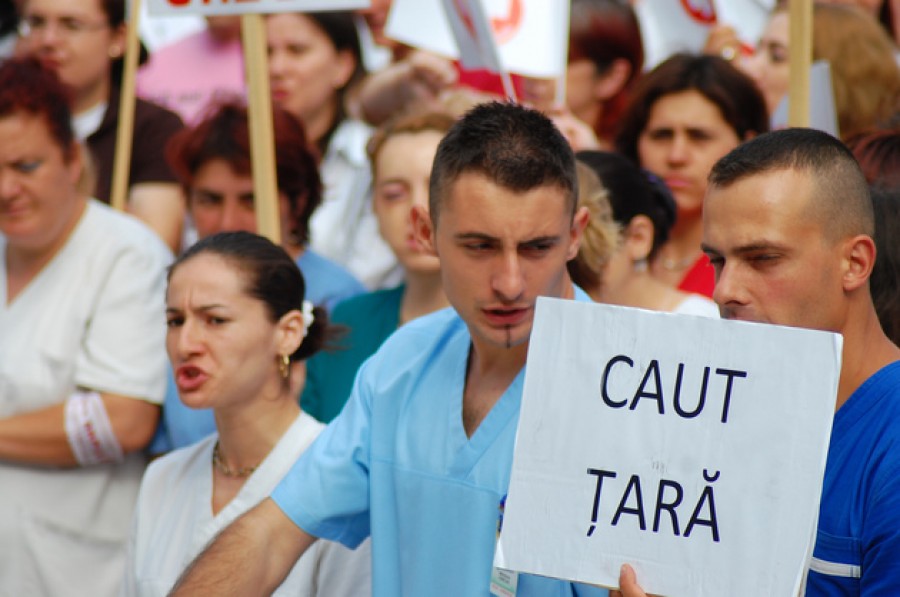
(669, 27)
(530, 36)
(236, 7)
(727, 493)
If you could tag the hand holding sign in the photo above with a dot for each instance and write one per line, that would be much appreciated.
(628, 584)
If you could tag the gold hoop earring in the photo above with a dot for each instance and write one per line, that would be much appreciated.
(284, 366)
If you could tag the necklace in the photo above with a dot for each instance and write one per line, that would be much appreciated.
(676, 265)
(223, 468)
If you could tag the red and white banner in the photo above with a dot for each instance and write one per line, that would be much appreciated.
(526, 37)
(669, 26)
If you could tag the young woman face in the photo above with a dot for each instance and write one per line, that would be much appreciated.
(221, 341)
(306, 70)
(684, 136)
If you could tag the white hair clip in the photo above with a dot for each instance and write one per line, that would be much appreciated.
(308, 317)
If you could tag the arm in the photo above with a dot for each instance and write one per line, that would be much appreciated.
(252, 556)
(39, 437)
(161, 206)
(419, 76)
(578, 133)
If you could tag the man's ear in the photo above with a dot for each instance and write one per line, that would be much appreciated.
(576, 233)
(423, 228)
(858, 261)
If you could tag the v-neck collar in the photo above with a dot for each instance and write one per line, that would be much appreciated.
(469, 450)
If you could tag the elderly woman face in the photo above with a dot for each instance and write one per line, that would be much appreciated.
(221, 341)
(39, 202)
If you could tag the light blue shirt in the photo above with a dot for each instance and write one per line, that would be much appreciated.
(398, 458)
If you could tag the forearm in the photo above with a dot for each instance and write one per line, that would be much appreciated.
(39, 437)
(161, 206)
(252, 556)
(383, 92)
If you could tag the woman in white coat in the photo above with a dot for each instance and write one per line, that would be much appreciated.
(238, 333)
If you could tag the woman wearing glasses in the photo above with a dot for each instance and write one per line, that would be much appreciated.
(83, 41)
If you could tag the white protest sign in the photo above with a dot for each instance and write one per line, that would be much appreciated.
(822, 113)
(748, 18)
(236, 7)
(690, 447)
(531, 36)
(471, 28)
(668, 27)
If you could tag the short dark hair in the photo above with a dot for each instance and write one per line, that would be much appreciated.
(735, 95)
(841, 198)
(224, 134)
(633, 192)
(28, 87)
(272, 277)
(515, 147)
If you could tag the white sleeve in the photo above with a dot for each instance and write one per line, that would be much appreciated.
(123, 348)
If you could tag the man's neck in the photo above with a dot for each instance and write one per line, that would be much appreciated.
(866, 350)
(489, 372)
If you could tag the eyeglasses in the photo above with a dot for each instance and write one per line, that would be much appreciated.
(66, 26)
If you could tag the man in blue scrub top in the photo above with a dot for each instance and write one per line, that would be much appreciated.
(788, 226)
(420, 457)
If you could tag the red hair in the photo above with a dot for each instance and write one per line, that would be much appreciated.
(26, 86)
(224, 134)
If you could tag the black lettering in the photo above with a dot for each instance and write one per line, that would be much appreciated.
(633, 484)
(600, 474)
(669, 507)
(642, 393)
(609, 401)
(677, 399)
(731, 374)
(705, 497)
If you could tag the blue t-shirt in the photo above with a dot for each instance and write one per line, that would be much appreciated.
(857, 548)
(397, 460)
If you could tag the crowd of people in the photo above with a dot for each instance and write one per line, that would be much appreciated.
(189, 408)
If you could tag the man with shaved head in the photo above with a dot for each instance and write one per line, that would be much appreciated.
(788, 226)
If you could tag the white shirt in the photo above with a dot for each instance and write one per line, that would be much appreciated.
(174, 522)
(92, 318)
(695, 304)
(343, 228)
